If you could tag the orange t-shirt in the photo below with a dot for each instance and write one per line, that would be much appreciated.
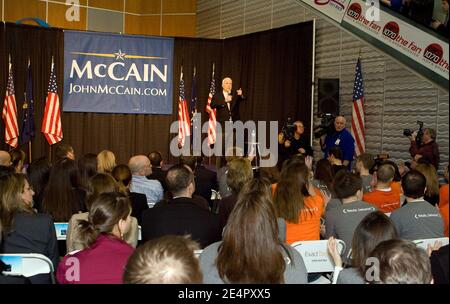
(385, 201)
(308, 227)
(396, 186)
(443, 206)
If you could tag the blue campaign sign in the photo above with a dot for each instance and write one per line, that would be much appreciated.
(111, 73)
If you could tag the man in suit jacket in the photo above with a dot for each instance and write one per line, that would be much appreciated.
(181, 216)
(158, 173)
(226, 103)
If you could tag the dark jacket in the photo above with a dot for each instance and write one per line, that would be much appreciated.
(180, 216)
(223, 113)
(138, 205)
(429, 152)
(160, 175)
(205, 181)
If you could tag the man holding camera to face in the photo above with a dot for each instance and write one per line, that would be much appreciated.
(293, 141)
(426, 149)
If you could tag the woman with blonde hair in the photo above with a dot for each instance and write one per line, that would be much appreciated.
(432, 190)
(106, 161)
(251, 251)
(99, 183)
(106, 253)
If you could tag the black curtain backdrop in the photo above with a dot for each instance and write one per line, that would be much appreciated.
(273, 68)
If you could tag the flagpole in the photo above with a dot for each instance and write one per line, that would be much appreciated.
(29, 143)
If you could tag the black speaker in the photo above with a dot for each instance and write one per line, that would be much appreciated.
(328, 91)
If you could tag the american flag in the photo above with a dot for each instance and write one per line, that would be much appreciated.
(212, 113)
(184, 123)
(358, 128)
(51, 124)
(9, 113)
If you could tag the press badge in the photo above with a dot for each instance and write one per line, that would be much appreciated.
(337, 142)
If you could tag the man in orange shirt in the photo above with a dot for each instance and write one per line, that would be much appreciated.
(443, 202)
(384, 197)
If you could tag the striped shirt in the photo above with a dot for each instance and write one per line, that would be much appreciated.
(150, 187)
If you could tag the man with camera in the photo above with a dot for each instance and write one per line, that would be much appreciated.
(424, 148)
(292, 141)
(339, 138)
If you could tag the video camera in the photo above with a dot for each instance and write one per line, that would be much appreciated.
(326, 125)
(289, 129)
(409, 132)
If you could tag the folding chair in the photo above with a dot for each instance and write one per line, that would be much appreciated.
(198, 252)
(315, 256)
(61, 231)
(27, 264)
(423, 243)
(215, 198)
(139, 233)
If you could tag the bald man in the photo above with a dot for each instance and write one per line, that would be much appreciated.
(5, 159)
(140, 167)
(227, 103)
(340, 138)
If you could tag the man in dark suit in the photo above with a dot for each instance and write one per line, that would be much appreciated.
(158, 173)
(180, 215)
(227, 103)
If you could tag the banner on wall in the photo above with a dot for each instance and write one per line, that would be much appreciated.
(334, 9)
(111, 73)
(411, 45)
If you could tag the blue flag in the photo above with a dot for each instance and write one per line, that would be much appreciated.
(193, 106)
(28, 130)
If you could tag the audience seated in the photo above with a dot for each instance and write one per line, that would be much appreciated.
(87, 167)
(341, 222)
(364, 163)
(165, 260)
(251, 251)
(64, 151)
(375, 228)
(64, 194)
(180, 215)
(335, 158)
(122, 174)
(417, 219)
(232, 153)
(398, 262)
(299, 203)
(383, 196)
(323, 176)
(24, 230)
(439, 265)
(156, 161)
(18, 158)
(106, 161)
(140, 168)
(239, 172)
(38, 174)
(432, 188)
(99, 183)
(105, 255)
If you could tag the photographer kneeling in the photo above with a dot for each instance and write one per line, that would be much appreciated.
(427, 151)
(292, 141)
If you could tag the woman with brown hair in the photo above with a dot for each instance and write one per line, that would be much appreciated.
(106, 253)
(432, 190)
(375, 228)
(24, 230)
(250, 251)
(64, 194)
(299, 203)
(122, 174)
(99, 183)
(18, 160)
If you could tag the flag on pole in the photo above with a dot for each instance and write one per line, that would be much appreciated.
(212, 112)
(194, 95)
(184, 123)
(51, 123)
(28, 129)
(358, 128)
(9, 113)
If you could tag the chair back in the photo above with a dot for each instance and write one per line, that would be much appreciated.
(315, 254)
(27, 264)
(198, 252)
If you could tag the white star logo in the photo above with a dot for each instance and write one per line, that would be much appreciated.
(120, 55)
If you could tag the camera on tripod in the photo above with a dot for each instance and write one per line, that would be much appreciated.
(288, 129)
(409, 132)
(326, 125)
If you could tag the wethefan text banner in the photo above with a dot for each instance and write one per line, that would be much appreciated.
(111, 73)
